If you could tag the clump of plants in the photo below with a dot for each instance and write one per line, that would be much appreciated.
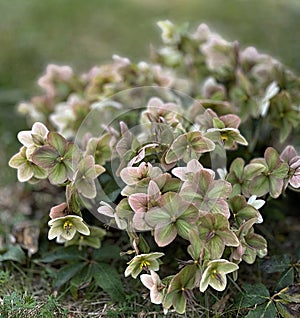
(181, 153)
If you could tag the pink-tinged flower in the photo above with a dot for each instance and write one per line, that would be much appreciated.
(173, 217)
(154, 284)
(66, 227)
(142, 203)
(107, 210)
(187, 173)
(58, 211)
(290, 156)
(132, 175)
(54, 73)
(215, 274)
(160, 112)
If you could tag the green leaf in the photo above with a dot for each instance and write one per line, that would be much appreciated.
(70, 253)
(277, 263)
(14, 253)
(106, 253)
(254, 295)
(108, 279)
(291, 294)
(287, 310)
(67, 272)
(83, 277)
(286, 279)
(267, 310)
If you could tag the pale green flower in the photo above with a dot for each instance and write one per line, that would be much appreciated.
(143, 261)
(66, 227)
(215, 274)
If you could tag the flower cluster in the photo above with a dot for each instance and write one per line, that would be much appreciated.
(157, 161)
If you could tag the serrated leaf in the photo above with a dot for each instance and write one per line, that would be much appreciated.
(14, 253)
(106, 253)
(83, 277)
(70, 253)
(67, 272)
(267, 310)
(277, 263)
(254, 295)
(108, 279)
(286, 279)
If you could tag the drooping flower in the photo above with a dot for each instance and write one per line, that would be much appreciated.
(154, 284)
(107, 210)
(58, 211)
(215, 274)
(66, 227)
(180, 288)
(142, 262)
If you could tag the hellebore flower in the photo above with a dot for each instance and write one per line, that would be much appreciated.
(107, 210)
(215, 274)
(27, 170)
(154, 284)
(214, 233)
(207, 194)
(58, 211)
(189, 146)
(141, 262)
(180, 288)
(271, 179)
(66, 227)
(33, 138)
(85, 175)
(290, 156)
(173, 216)
(169, 33)
(56, 156)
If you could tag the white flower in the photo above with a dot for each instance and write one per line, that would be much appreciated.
(271, 91)
(257, 204)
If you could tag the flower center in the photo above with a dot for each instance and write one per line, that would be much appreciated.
(144, 264)
(224, 138)
(68, 226)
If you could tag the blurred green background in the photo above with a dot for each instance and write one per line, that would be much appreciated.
(80, 33)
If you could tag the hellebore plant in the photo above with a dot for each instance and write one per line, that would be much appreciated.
(145, 160)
